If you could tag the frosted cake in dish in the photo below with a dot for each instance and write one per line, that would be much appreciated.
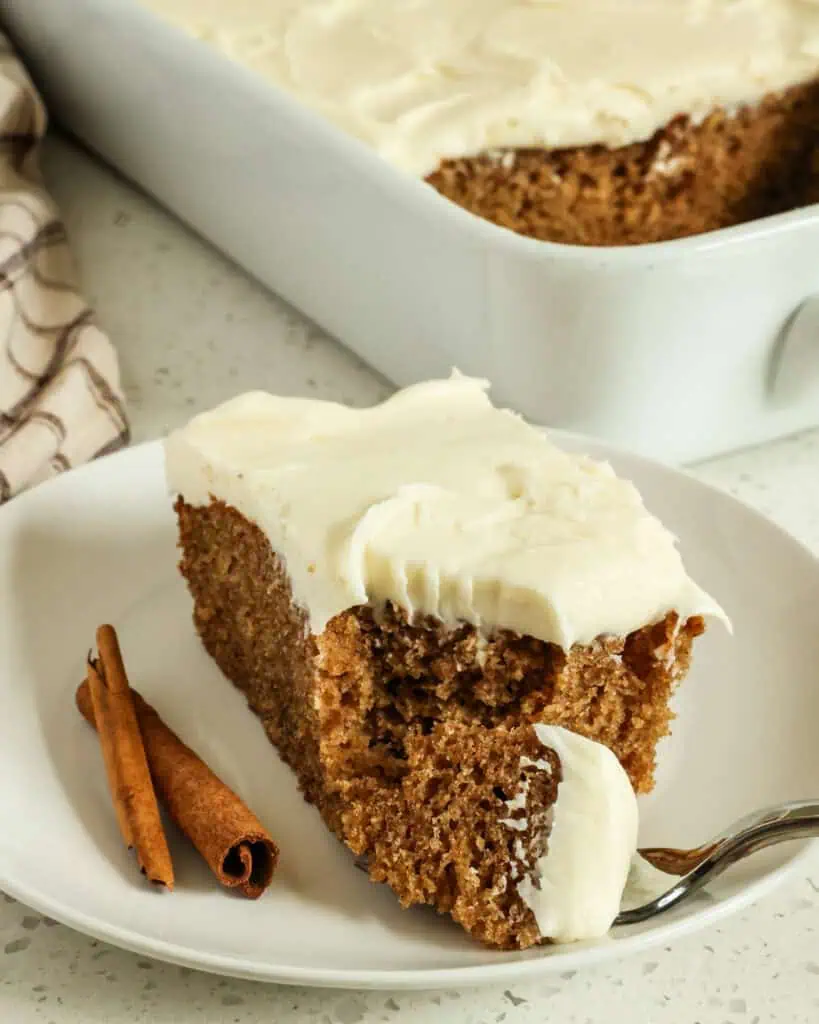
(462, 640)
(601, 122)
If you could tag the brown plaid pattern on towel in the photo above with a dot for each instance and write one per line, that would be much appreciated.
(60, 397)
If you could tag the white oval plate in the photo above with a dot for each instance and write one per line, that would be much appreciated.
(98, 544)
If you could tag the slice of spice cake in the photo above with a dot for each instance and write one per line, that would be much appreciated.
(433, 610)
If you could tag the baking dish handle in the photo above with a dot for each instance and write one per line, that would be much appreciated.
(795, 369)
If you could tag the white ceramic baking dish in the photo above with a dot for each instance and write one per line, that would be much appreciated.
(679, 350)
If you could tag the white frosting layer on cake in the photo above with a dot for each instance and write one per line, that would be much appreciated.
(591, 869)
(576, 887)
(645, 883)
(442, 504)
(421, 80)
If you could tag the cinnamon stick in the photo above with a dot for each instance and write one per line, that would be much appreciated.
(126, 765)
(227, 834)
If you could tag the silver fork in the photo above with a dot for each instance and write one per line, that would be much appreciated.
(701, 865)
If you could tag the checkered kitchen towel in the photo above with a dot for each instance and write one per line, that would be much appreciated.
(60, 397)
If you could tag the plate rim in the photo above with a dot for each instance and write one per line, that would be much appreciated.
(410, 978)
(407, 979)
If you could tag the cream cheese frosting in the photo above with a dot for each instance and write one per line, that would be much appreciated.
(422, 80)
(441, 503)
(576, 887)
(591, 869)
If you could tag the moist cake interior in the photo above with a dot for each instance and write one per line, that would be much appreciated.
(414, 738)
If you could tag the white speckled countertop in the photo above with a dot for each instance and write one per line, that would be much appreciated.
(192, 330)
